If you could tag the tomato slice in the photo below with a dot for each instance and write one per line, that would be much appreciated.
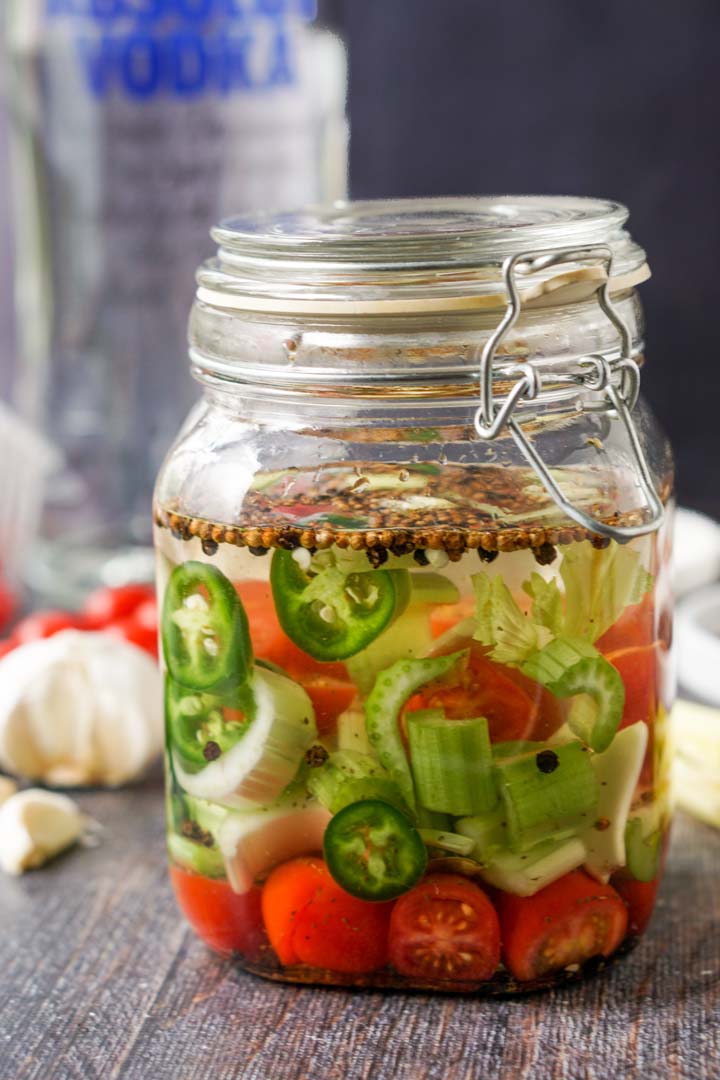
(565, 923)
(330, 698)
(228, 922)
(510, 701)
(106, 605)
(635, 627)
(270, 642)
(311, 920)
(445, 929)
(444, 616)
(640, 671)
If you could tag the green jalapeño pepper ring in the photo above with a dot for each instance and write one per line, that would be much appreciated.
(205, 635)
(373, 850)
(333, 615)
(200, 727)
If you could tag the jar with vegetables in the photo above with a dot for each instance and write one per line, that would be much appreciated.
(412, 553)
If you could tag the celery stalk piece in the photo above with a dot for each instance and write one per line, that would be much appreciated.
(526, 874)
(599, 585)
(488, 832)
(351, 733)
(569, 667)
(195, 856)
(642, 853)
(451, 763)
(547, 792)
(383, 707)
(348, 777)
(408, 637)
(451, 842)
(617, 771)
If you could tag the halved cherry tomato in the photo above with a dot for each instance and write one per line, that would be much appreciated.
(107, 605)
(510, 702)
(227, 922)
(445, 929)
(311, 920)
(45, 624)
(635, 627)
(567, 922)
(330, 698)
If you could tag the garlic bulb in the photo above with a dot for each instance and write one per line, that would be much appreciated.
(35, 825)
(8, 787)
(79, 709)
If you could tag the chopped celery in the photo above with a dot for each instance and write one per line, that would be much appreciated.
(599, 585)
(642, 852)
(571, 666)
(351, 733)
(547, 609)
(516, 748)
(488, 832)
(525, 874)
(617, 771)
(348, 777)
(433, 819)
(428, 587)
(409, 636)
(547, 792)
(501, 625)
(451, 763)
(193, 855)
(447, 841)
(383, 707)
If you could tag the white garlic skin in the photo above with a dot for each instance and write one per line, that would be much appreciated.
(36, 825)
(79, 709)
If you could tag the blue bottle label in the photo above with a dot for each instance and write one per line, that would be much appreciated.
(183, 48)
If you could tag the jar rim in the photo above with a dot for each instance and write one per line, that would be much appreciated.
(407, 252)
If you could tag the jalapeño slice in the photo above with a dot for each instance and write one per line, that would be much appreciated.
(201, 727)
(205, 636)
(333, 615)
(373, 851)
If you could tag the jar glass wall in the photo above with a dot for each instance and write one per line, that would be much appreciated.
(416, 711)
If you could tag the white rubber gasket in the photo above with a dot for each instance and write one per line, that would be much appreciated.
(697, 633)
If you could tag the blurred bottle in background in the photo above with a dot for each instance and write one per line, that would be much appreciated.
(135, 126)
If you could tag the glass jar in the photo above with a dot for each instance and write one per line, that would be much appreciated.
(413, 564)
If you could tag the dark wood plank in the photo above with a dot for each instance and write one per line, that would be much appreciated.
(100, 979)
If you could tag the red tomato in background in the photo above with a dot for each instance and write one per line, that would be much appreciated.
(137, 632)
(45, 624)
(8, 603)
(567, 922)
(107, 605)
(311, 920)
(6, 647)
(227, 921)
(445, 928)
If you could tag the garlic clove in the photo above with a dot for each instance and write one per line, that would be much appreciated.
(8, 787)
(35, 825)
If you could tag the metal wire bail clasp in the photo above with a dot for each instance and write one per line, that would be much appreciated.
(618, 380)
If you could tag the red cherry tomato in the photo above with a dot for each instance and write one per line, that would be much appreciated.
(106, 605)
(8, 603)
(137, 633)
(640, 671)
(6, 647)
(445, 929)
(45, 624)
(567, 922)
(227, 921)
(311, 920)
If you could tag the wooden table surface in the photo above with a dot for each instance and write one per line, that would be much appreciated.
(99, 978)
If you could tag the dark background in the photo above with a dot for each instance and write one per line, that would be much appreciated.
(619, 99)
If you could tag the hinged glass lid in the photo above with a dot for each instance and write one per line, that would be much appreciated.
(400, 250)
